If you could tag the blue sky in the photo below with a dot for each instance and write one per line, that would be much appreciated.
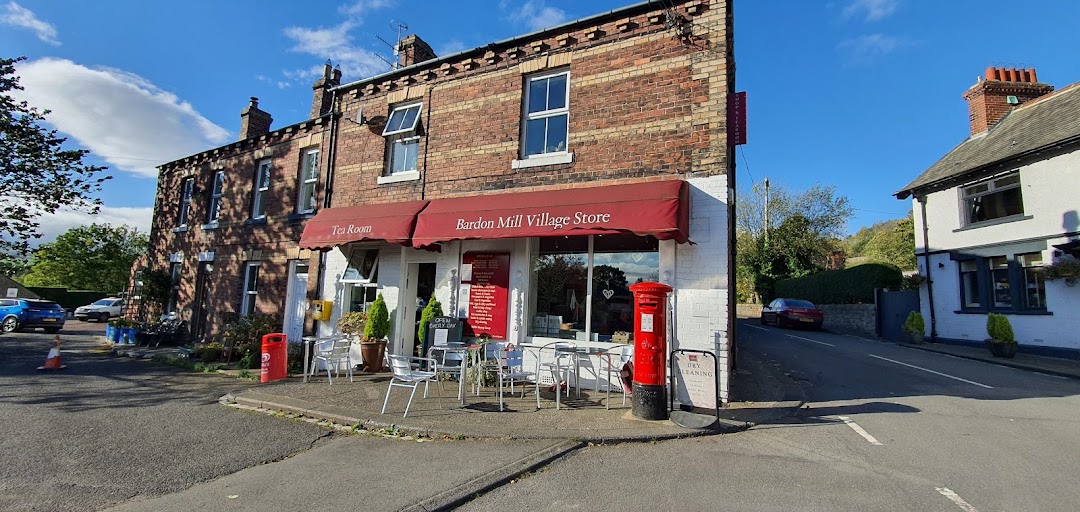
(859, 94)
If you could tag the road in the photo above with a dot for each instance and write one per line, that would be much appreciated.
(883, 428)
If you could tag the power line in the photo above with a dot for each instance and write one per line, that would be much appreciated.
(747, 165)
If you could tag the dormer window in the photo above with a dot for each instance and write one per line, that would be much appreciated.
(403, 142)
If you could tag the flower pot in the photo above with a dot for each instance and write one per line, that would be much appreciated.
(373, 353)
(1003, 349)
(114, 334)
(915, 338)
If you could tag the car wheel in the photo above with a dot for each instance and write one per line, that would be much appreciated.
(52, 330)
(103, 317)
(763, 322)
(780, 322)
(10, 324)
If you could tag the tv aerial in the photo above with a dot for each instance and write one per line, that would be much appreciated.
(400, 27)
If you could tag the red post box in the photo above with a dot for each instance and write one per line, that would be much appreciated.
(275, 364)
(650, 350)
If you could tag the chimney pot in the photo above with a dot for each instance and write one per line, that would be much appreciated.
(988, 101)
(255, 102)
(1013, 76)
(253, 121)
(1031, 75)
(991, 73)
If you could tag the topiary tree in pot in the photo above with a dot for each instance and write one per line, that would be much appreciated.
(1002, 343)
(431, 310)
(915, 327)
(377, 328)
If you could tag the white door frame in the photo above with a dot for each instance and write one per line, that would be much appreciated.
(293, 297)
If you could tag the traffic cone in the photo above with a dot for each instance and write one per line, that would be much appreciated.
(52, 361)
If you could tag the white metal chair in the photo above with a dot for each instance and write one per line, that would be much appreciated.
(488, 362)
(510, 370)
(332, 353)
(562, 357)
(407, 373)
(451, 360)
(613, 360)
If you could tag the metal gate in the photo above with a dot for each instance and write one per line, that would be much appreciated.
(892, 312)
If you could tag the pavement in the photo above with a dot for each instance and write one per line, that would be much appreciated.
(1043, 364)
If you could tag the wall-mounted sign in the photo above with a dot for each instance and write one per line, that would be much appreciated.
(12, 293)
(488, 283)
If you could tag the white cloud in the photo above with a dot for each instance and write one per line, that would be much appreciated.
(336, 43)
(451, 47)
(870, 10)
(535, 14)
(869, 47)
(119, 116)
(280, 84)
(53, 225)
(19, 16)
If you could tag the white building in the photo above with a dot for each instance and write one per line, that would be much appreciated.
(998, 207)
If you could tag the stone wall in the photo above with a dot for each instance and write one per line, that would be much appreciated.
(854, 318)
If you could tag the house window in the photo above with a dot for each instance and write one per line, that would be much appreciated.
(309, 176)
(360, 279)
(994, 199)
(251, 288)
(1034, 291)
(401, 135)
(215, 197)
(186, 189)
(969, 284)
(262, 186)
(547, 100)
(999, 281)
(560, 305)
(174, 289)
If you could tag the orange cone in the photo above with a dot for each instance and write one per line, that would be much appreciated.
(52, 361)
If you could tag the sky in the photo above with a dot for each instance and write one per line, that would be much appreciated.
(862, 95)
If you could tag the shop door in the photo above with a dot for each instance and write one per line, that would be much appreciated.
(420, 286)
(202, 300)
(295, 300)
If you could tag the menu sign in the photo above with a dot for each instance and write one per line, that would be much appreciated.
(488, 280)
(695, 378)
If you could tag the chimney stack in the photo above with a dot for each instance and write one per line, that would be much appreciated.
(321, 100)
(1001, 91)
(254, 122)
(413, 50)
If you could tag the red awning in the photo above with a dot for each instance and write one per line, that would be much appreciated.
(660, 209)
(392, 222)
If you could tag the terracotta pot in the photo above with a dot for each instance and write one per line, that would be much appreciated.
(373, 353)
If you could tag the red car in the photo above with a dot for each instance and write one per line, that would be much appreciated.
(792, 312)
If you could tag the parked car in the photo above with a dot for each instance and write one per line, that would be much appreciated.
(792, 312)
(19, 314)
(100, 310)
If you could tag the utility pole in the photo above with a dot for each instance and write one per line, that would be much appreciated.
(766, 211)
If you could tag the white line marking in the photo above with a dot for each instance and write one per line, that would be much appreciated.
(755, 327)
(810, 340)
(931, 371)
(956, 499)
(859, 430)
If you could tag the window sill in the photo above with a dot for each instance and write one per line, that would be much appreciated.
(1003, 220)
(1032, 312)
(399, 177)
(255, 222)
(210, 226)
(547, 159)
(180, 229)
(297, 217)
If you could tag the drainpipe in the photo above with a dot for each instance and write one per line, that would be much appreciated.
(926, 261)
(330, 158)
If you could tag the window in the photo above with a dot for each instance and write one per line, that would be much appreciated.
(215, 197)
(969, 282)
(547, 99)
(186, 189)
(174, 290)
(562, 286)
(251, 288)
(401, 135)
(999, 279)
(309, 176)
(1034, 291)
(994, 199)
(262, 186)
(363, 266)
(1001, 283)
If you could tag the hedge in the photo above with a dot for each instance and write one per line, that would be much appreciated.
(67, 299)
(853, 285)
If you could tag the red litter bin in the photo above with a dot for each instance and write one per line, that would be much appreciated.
(275, 364)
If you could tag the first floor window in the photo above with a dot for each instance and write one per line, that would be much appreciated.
(251, 288)
(403, 154)
(403, 142)
(562, 288)
(309, 177)
(262, 186)
(993, 199)
(215, 197)
(186, 189)
(547, 111)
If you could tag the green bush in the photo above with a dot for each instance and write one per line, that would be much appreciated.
(67, 299)
(999, 328)
(378, 324)
(245, 333)
(853, 285)
(914, 323)
(431, 310)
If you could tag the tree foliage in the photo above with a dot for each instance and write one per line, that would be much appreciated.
(94, 257)
(378, 324)
(891, 241)
(431, 310)
(37, 176)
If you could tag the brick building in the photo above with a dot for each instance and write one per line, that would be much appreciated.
(525, 184)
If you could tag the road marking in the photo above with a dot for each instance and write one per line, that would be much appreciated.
(755, 327)
(810, 340)
(859, 430)
(946, 492)
(931, 371)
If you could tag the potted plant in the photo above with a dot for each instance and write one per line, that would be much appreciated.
(431, 310)
(352, 323)
(1001, 342)
(373, 344)
(915, 327)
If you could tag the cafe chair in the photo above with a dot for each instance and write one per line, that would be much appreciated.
(332, 353)
(557, 358)
(407, 373)
(510, 369)
(612, 361)
(488, 362)
(451, 360)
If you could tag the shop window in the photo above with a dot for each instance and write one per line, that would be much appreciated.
(309, 177)
(547, 111)
(993, 199)
(262, 187)
(1034, 295)
(251, 288)
(403, 142)
(186, 190)
(562, 286)
(360, 279)
(999, 283)
(215, 197)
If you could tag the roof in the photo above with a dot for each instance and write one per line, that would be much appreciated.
(1048, 121)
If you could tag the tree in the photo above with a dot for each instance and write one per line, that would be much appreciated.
(37, 176)
(891, 241)
(94, 257)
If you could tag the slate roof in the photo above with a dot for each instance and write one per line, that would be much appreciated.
(1036, 125)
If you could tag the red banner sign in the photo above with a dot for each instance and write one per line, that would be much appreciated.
(487, 274)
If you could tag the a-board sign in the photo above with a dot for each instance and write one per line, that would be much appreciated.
(442, 330)
(695, 379)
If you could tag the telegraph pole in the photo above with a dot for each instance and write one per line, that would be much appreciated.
(766, 211)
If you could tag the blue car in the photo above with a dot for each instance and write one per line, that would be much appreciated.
(19, 314)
